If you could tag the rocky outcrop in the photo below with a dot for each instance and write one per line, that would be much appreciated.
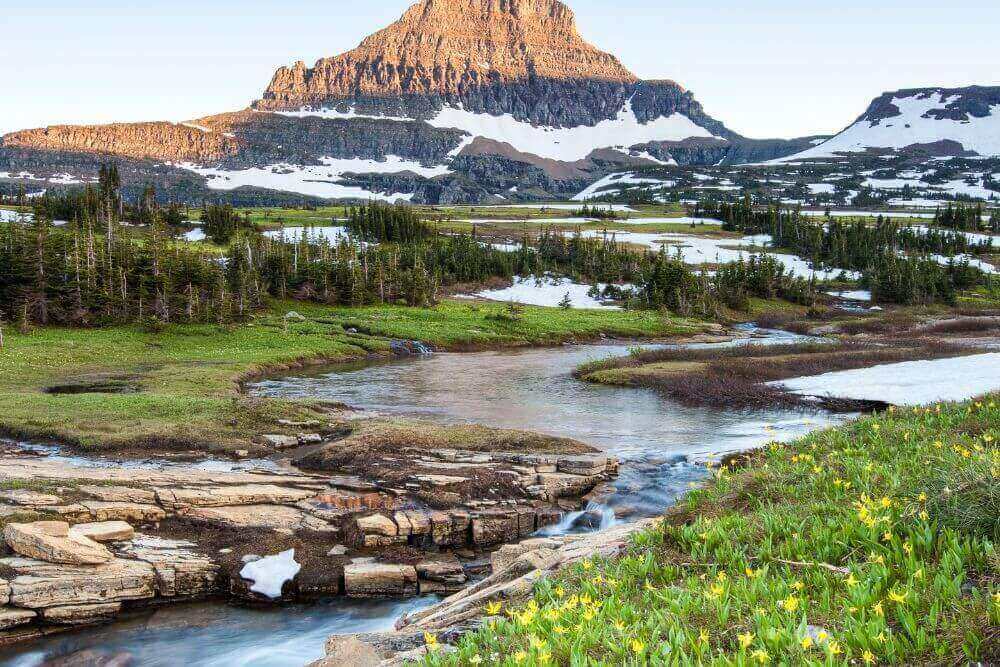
(463, 50)
(364, 580)
(53, 542)
(159, 140)
(516, 570)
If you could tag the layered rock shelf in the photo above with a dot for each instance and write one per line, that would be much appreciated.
(515, 570)
(86, 544)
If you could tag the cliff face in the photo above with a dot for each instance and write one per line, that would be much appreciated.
(163, 141)
(451, 49)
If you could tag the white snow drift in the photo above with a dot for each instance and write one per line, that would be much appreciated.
(907, 383)
(270, 574)
(546, 291)
(317, 180)
(567, 144)
(912, 126)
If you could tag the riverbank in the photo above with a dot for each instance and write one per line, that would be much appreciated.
(750, 376)
(870, 543)
(178, 388)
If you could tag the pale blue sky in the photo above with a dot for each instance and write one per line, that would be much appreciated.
(769, 68)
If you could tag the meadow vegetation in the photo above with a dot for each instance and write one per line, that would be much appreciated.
(871, 543)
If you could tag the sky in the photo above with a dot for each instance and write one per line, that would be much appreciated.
(769, 68)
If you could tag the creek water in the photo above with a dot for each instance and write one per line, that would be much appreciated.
(662, 445)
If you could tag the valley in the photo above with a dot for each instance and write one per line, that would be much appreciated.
(470, 345)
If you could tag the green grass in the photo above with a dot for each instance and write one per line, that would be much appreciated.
(188, 374)
(872, 543)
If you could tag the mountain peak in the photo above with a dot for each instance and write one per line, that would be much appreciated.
(449, 47)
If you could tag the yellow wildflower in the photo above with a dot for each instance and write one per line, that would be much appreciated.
(520, 657)
(868, 657)
(558, 629)
(877, 608)
(761, 657)
(834, 648)
(791, 603)
(493, 608)
(798, 585)
(806, 643)
(637, 646)
(587, 565)
(851, 581)
(745, 639)
(431, 640)
(898, 598)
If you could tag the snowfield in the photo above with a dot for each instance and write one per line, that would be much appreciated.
(698, 250)
(907, 383)
(567, 144)
(855, 295)
(546, 291)
(7, 215)
(331, 234)
(317, 180)
(613, 181)
(57, 179)
(981, 135)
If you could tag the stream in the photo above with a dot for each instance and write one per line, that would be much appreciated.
(662, 445)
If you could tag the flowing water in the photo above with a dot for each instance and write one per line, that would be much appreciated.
(661, 443)
(214, 635)
(662, 446)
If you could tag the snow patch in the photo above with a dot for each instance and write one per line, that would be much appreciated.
(547, 291)
(907, 383)
(912, 126)
(270, 574)
(569, 144)
(317, 180)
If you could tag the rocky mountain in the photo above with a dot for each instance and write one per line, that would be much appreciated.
(939, 122)
(458, 101)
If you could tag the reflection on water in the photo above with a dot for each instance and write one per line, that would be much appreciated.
(215, 635)
(533, 390)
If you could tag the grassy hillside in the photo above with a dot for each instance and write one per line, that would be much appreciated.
(182, 381)
(873, 543)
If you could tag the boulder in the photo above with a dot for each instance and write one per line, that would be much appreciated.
(105, 531)
(280, 441)
(377, 530)
(583, 465)
(309, 438)
(220, 496)
(496, 527)
(366, 580)
(52, 541)
(441, 574)
(103, 510)
(120, 494)
(39, 585)
(265, 517)
(10, 617)
(28, 498)
(181, 571)
(563, 485)
(348, 652)
(82, 614)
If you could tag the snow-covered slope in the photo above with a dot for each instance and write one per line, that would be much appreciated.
(955, 120)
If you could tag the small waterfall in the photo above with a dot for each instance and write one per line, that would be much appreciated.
(592, 518)
(405, 348)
